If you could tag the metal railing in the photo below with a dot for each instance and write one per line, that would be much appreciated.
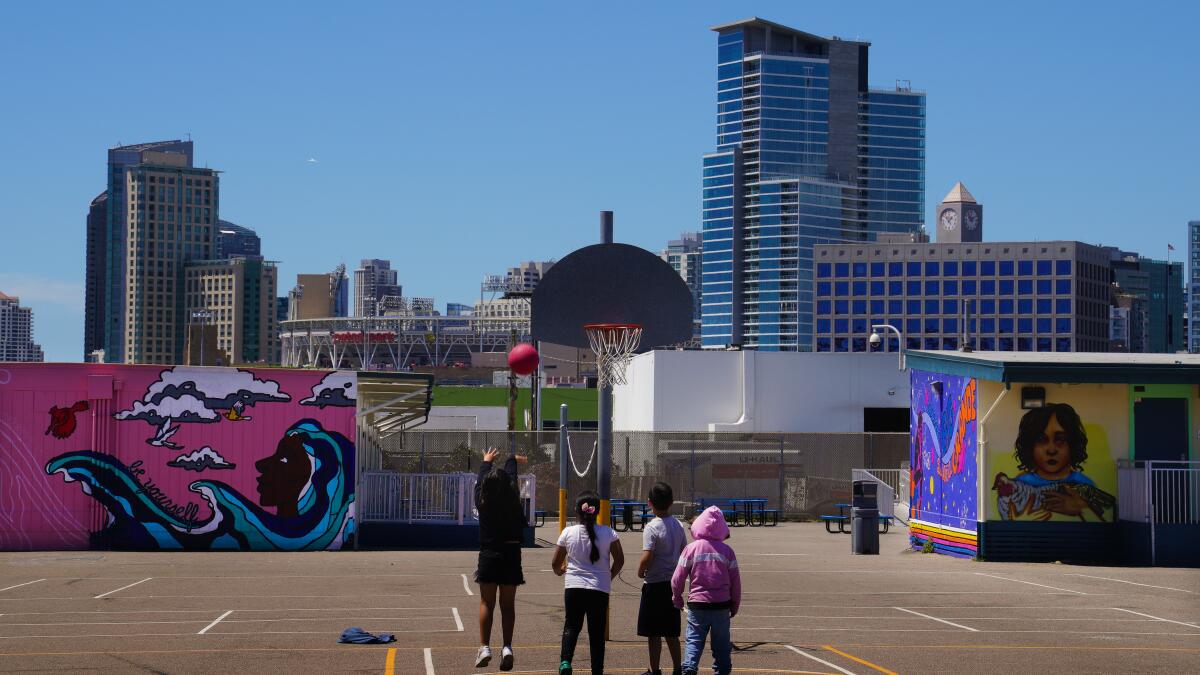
(1158, 493)
(799, 474)
(885, 493)
(436, 498)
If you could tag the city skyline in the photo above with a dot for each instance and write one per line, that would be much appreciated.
(381, 172)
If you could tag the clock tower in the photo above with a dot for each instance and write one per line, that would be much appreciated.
(959, 218)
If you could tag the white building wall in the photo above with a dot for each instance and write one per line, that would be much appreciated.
(756, 391)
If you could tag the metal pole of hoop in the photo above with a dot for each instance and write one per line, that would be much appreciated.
(604, 411)
(563, 449)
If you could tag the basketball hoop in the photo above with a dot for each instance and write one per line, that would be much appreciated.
(614, 345)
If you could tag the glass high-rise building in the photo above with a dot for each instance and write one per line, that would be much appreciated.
(806, 154)
(1194, 286)
(108, 269)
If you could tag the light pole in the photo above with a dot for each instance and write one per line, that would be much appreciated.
(876, 339)
(204, 315)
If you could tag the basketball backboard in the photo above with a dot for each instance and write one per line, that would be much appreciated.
(612, 283)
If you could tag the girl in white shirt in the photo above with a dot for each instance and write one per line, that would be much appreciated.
(589, 555)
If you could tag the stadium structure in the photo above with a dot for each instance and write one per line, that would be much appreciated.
(395, 343)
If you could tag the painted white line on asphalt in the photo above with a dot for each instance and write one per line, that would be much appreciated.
(809, 629)
(821, 661)
(215, 622)
(1019, 581)
(457, 619)
(20, 585)
(1157, 618)
(948, 623)
(1168, 588)
(123, 588)
(884, 592)
(466, 584)
(429, 662)
(214, 609)
(332, 634)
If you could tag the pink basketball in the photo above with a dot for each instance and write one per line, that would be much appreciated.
(523, 359)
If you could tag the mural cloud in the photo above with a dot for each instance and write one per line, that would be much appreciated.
(186, 408)
(187, 394)
(204, 458)
(338, 389)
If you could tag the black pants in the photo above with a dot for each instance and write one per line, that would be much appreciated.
(582, 602)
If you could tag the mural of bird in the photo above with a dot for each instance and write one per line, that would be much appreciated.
(237, 413)
(62, 420)
(162, 436)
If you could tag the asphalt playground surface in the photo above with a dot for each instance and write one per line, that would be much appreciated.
(808, 607)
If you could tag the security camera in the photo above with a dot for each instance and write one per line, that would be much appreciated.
(875, 339)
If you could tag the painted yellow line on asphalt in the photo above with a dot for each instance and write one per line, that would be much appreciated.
(858, 660)
(389, 666)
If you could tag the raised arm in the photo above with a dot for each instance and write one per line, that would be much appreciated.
(485, 467)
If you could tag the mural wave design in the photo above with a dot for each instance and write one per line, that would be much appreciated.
(307, 480)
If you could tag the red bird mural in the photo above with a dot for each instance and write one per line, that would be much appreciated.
(62, 420)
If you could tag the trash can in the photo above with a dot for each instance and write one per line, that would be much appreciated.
(864, 531)
(866, 495)
(864, 518)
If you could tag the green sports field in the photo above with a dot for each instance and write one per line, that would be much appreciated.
(581, 403)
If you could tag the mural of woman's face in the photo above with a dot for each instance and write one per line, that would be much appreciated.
(284, 475)
(1052, 452)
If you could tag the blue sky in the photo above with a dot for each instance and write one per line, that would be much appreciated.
(459, 138)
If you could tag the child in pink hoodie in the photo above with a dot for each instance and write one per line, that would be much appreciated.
(715, 591)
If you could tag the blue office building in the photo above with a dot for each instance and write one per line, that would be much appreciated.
(806, 154)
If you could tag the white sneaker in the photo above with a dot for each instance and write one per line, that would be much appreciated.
(483, 656)
(506, 658)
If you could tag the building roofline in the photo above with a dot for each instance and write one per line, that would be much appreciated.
(1075, 367)
(778, 26)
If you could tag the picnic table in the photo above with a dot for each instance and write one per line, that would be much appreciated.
(632, 512)
(843, 521)
(752, 507)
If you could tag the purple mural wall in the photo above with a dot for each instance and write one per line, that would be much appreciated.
(159, 458)
(943, 454)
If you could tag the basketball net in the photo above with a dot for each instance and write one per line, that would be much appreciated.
(614, 345)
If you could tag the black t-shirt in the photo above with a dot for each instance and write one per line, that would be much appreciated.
(500, 523)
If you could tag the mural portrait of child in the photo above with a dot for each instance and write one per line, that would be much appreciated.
(1050, 450)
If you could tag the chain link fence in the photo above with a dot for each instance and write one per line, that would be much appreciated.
(799, 474)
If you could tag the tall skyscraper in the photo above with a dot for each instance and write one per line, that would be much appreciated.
(806, 154)
(124, 212)
(234, 240)
(1194, 286)
(171, 221)
(684, 255)
(16, 331)
(95, 276)
(374, 281)
(1161, 284)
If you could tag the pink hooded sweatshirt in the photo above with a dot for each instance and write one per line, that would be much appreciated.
(709, 566)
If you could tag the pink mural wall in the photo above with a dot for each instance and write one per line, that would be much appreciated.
(150, 457)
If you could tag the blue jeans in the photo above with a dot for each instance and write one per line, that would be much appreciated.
(700, 622)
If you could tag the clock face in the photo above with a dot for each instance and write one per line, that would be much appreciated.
(971, 219)
(949, 219)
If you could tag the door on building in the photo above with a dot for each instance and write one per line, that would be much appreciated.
(1160, 429)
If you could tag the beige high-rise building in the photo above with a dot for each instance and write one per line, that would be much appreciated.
(314, 297)
(170, 220)
(237, 297)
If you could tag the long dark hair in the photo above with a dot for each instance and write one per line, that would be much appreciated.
(1033, 425)
(496, 493)
(587, 518)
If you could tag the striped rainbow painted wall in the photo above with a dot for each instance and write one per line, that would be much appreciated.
(953, 541)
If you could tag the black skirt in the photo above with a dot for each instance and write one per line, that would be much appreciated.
(657, 616)
(500, 564)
